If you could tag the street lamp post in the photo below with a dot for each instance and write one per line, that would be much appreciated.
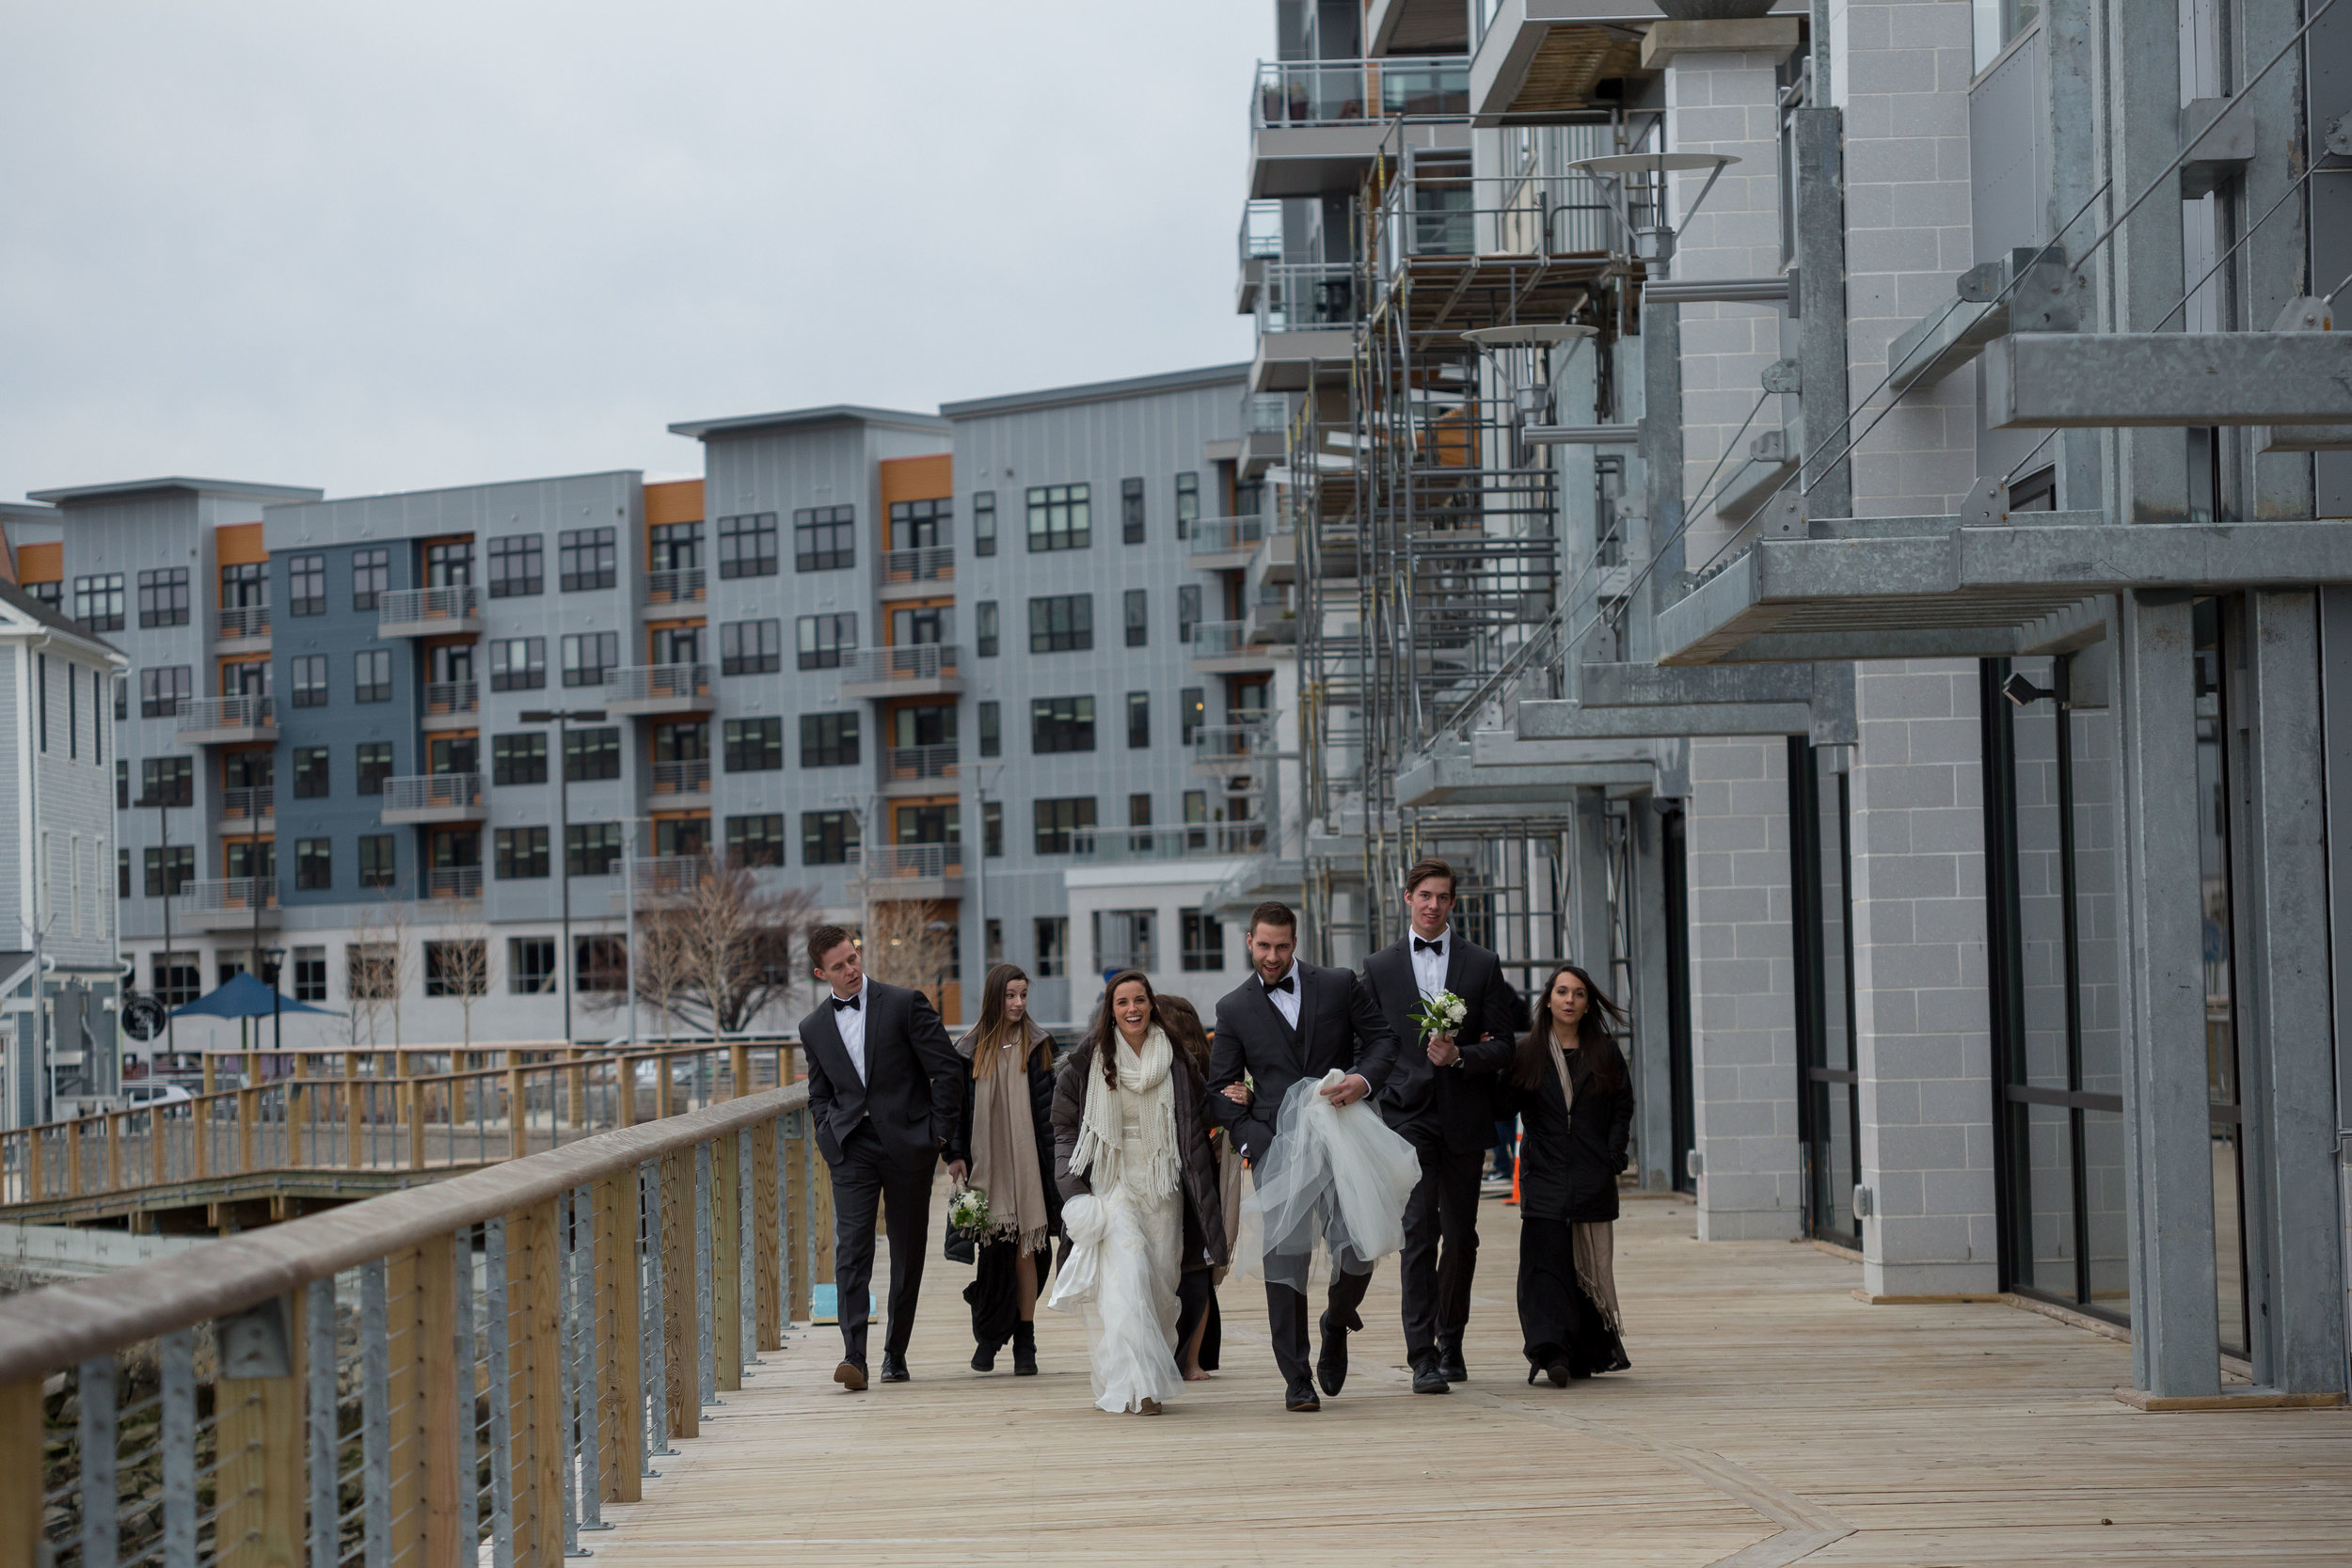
(161, 799)
(562, 718)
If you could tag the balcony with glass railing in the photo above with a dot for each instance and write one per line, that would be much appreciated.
(435, 797)
(428, 612)
(656, 689)
(1224, 544)
(917, 670)
(1200, 841)
(1219, 644)
(225, 903)
(1259, 243)
(228, 720)
(1235, 747)
(1346, 92)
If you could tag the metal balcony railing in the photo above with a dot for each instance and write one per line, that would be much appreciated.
(676, 585)
(453, 881)
(920, 662)
(248, 620)
(667, 875)
(1112, 845)
(886, 861)
(400, 607)
(1220, 535)
(1265, 414)
(682, 778)
(220, 895)
(927, 563)
(1236, 743)
(1305, 297)
(452, 697)
(1336, 92)
(1219, 638)
(227, 713)
(1442, 208)
(433, 791)
(650, 683)
(1261, 234)
(903, 763)
(248, 804)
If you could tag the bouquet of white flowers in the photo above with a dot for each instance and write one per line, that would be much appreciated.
(1440, 1014)
(968, 1212)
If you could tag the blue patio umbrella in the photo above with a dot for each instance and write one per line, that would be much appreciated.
(246, 997)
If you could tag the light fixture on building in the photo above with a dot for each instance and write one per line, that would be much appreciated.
(1653, 240)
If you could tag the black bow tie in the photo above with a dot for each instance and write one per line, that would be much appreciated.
(1437, 946)
(1273, 986)
(849, 1002)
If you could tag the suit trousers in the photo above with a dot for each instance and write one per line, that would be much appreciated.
(1440, 1249)
(867, 1178)
(1286, 1316)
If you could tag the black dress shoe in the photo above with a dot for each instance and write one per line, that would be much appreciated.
(850, 1375)
(1301, 1397)
(1450, 1364)
(1331, 1364)
(893, 1366)
(1428, 1379)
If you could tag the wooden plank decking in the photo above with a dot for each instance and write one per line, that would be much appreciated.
(1769, 1418)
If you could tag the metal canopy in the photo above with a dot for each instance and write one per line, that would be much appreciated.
(1494, 768)
(1928, 587)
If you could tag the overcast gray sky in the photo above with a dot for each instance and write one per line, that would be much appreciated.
(389, 246)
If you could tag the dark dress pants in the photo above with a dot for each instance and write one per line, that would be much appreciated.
(1286, 1315)
(1440, 1249)
(866, 1180)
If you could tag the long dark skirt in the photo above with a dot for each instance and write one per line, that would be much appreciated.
(1195, 1300)
(995, 1294)
(1558, 1321)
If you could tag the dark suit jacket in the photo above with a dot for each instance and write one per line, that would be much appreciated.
(911, 1092)
(1338, 1026)
(1569, 1160)
(1447, 1107)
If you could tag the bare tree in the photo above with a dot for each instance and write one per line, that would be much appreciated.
(362, 980)
(459, 965)
(717, 953)
(911, 942)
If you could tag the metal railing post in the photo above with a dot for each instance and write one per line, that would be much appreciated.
(178, 1443)
(706, 1363)
(94, 1384)
(468, 1510)
(325, 1421)
(585, 1388)
(567, 1348)
(501, 1396)
(375, 1417)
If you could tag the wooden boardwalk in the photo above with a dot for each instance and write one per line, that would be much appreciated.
(1769, 1418)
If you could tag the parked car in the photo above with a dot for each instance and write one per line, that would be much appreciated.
(144, 1093)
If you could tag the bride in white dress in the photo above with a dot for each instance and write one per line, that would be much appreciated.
(1131, 1143)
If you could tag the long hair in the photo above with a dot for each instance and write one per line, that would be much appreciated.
(1596, 1036)
(989, 1034)
(1182, 1021)
(1103, 1034)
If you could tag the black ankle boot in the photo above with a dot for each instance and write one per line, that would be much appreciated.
(1025, 1351)
(984, 1356)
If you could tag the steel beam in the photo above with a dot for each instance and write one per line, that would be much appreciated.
(2159, 380)
(1571, 720)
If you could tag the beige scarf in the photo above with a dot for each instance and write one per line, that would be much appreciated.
(1153, 1168)
(1004, 1139)
(1592, 1240)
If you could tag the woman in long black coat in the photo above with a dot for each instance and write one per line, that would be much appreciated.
(1575, 1102)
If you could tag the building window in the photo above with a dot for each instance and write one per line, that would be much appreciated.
(592, 848)
(585, 559)
(921, 624)
(992, 829)
(314, 865)
(448, 565)
(754, 745)
(518, 566)
(531, 966)
(1194, 712)
(828, 739)
(379, 864)
(167, 782)
(1138, 603)
(591, 754)
(519, 758)
(162, 689)
(310, 967)
(923, 525)
(310, 680)
(1138, 810)
(458, 968)
(98, 601)
(1187, 503)
(49, 594)
(168, 870)
(1203, 939)
(1060, 518)
(370, 970)
(1187, 611)
(1124, 939)
(992, 729)
(824, 539)
(1059, 819)
(1139, 719)
(371, 675)
(518, 664)
(599, 963)
(123, 696)
(993, 939)
(823, 639)
(983, 522)
(984, 628)
(519, 854)
(164, 597)
(1053, 946)
(306, 585)
(371, 576)
(123, 785)
(757, 840)
(312, 772)
(747, 546)
(375, 761)
(1062, 624)
(1061, 724)
(682, 837)
(675, 547)
(827, 837)
(589, 656)
(175, 979)
(1131, 511)
(757, 647)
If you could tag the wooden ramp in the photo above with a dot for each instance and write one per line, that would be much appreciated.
(1769, 1418)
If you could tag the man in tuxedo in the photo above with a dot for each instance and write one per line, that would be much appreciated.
(1287, 1022)
(883, 1096)
(1440, 1098)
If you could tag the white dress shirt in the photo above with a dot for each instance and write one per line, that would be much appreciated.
(1285, 1002)
(850, 1024)
(1428, 967)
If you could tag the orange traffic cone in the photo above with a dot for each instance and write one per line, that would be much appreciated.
(1516, 1145)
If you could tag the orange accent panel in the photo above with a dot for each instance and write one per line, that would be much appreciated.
(674, 625)
(680, 500)
(897, 800)
(681, 817)
(928, 478)
(40, 563)
(239, 545)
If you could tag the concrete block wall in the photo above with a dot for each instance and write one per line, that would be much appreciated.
(1743, 1004)
(1923, 1024)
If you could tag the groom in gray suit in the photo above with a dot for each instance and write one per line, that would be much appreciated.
(1287, 1022)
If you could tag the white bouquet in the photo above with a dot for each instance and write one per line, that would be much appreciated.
(1440, 1014)
(968, 1212)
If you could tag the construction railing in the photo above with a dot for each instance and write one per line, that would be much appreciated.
(458, 1373)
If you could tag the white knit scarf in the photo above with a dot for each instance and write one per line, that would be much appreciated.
(1154, 1168)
